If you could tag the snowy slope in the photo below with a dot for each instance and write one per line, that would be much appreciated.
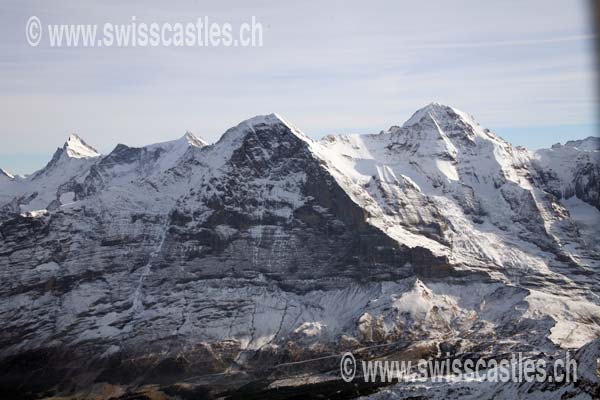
(446, 180)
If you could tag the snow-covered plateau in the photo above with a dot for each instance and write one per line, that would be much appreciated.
(192, 270)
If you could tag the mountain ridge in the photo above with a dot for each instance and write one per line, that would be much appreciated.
(268, 247)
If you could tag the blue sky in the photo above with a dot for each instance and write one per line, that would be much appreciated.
(525, 70)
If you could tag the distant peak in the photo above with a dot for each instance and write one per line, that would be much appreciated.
(269, 120)
(447, 122)
(435, 106)
(76, 147)
(434, 110)
(438, 106)
(194, 140)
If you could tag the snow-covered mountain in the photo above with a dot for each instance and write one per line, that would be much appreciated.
(183, 261)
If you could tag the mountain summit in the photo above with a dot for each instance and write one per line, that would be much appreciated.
(193, 140)
(433, 110)
(75, 147)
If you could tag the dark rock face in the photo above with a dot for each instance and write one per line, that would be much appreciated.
(327, 223)
(215, 265)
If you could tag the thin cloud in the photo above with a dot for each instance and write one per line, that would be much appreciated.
(525, 42)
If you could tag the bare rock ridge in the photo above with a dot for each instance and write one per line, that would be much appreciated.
(163, 263)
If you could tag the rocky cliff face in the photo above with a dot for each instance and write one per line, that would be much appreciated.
(214, 264)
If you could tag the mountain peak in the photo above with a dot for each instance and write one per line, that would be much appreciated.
(194, 140)
(73, 149)
(76, 147)
(433, 110)
(451, 123)
(268, 119)
(260, 121)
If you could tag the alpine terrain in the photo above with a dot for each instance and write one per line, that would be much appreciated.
(248, 266)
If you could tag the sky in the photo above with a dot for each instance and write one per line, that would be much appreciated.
(525, 70)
